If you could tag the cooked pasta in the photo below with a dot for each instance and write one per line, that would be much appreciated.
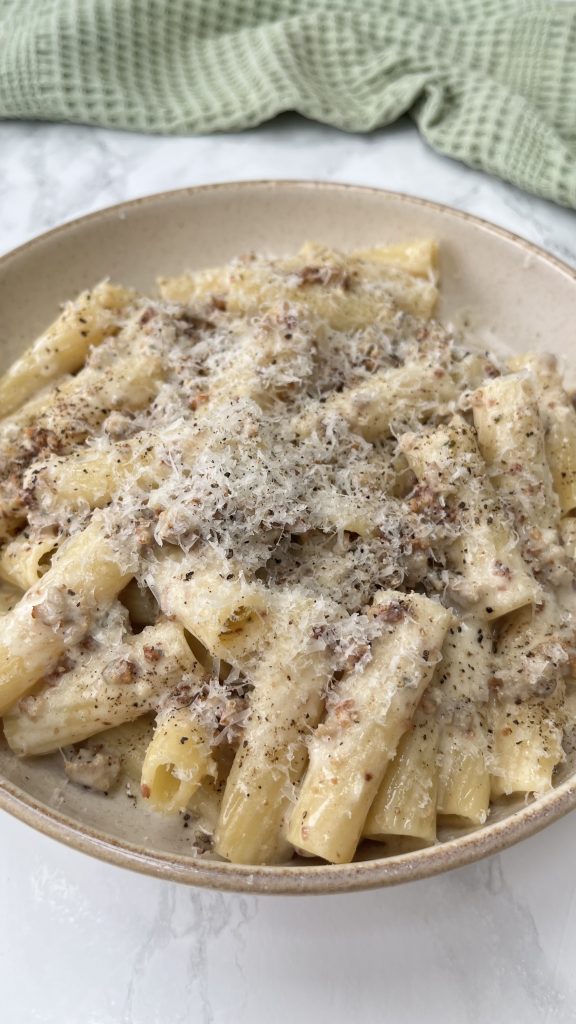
(288, 555)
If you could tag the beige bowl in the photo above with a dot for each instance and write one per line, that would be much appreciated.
(508, 291)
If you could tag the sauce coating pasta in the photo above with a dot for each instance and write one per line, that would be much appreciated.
(297, 548)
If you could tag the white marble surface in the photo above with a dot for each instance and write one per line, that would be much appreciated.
(494, 943)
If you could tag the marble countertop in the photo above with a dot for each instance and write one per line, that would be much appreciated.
(493, 943)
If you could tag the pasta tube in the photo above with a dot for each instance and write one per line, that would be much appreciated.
(343, 292)
(511, 439)
(25, 559)
(92, 476)
(225, 612)
(560, 423)
(494, 577)
(351, 750)
(463, 777)
(405, 804)
(62, 349)
(455, 729)
(57, 611)
(285, 704)
(527, 745)
(106, 688)
(534, 649)
(463, 756)
(418, 258)
(176, 761)
(533, 655)
(73, 409)
(398, 395)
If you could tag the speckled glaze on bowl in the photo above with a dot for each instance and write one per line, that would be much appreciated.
(506, 290)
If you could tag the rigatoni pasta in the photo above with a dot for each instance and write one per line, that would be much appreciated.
(286, 704)
(57, 612)
(177, 760)
(107, 687)
(63, 348)
(370, 712)
(490, 573)
(560, 419)
(405, 804)
(288, 554)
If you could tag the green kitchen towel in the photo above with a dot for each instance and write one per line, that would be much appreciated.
(490, 82)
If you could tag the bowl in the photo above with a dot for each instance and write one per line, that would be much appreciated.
(507, 292)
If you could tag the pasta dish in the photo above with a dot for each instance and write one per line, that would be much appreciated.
(290, 553)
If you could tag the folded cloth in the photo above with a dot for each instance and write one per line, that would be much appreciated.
(489, 82)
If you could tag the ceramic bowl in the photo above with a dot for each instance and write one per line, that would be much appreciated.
(507, 291)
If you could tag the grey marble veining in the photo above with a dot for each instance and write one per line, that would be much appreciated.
(494, 943)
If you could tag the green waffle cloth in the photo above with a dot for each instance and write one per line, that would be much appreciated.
(489, 82)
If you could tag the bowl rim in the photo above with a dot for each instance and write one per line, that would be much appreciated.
(287, 879)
